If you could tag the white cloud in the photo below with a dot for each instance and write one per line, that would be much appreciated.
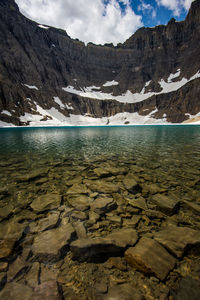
(88, 20)
(175, 5)
(145, 7)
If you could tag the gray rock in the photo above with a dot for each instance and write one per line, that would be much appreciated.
(50, 245)
(149, 257)
(99, 249)
(178, 239)
(46, 202)
(165, 204)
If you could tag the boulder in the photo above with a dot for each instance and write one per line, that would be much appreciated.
(165, 204)
(99, 249)
(46, 202)
(149, 257)
(178, 239)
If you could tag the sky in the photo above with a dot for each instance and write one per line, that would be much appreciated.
(103, 21)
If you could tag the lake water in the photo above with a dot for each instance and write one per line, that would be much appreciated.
(72, 162)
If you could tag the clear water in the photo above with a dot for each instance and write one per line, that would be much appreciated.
(168, 154)
(39, 161)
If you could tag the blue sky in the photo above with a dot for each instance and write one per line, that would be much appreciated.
(103, 21)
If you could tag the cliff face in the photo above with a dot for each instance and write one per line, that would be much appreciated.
(155, 65)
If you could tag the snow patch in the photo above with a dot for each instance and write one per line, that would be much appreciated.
(5, 124)
(172, 76)
(31, 87)
(111, 83)
(130, 97)
(43, 26)
(59, 102)
(6, 112)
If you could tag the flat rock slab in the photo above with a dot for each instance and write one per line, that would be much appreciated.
(99, 249)
(109, 171)
(165, 204)
(78, 188)
(103, 205)
(102, 186)
(138, 203)
(50, 245)
(46, 223)
(46, 202)
(123, 292)
(16, 291)
(10, 233)
(178, 239)
(189, 289)
(79, 202)
(149, 257)
(131, 184)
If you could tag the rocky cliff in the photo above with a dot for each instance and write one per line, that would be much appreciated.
(48, 78)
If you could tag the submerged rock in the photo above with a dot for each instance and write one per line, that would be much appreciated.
(46, 223)
(131, 184)
(50, 245)
(103, 205)
(178, 239)
(99, 249)
(10, 233)
(165, 204)
(79, 202)
(123, 292)
(189, 289)
(16, 291)
(46, 202)
(149, 257)
(102, 186)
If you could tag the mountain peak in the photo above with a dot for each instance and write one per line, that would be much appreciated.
(10, 4)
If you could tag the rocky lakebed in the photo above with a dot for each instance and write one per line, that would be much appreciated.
(103, 228)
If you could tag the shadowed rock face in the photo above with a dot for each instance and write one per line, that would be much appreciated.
(50, 60)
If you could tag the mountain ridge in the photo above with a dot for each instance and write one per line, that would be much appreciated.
(50, 62)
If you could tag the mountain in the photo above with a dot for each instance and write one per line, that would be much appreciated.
(47, 78)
